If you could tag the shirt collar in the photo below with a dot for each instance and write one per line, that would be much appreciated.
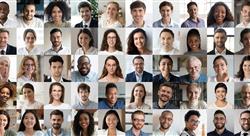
(5, 48)
(53, 80)
(61, 48)
(171, 24)
(86, 23)
(223, 52)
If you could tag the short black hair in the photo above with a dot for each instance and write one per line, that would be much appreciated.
(28, 85)
(137, 4)
(165, 57)
(246, 111)
(55, 58)
(190, 113)
(219, 112)
(138, 57)
(191, 4)
(83, 86)
(166, 3)
(220, 85)
(108, 86)
(56, 112)
(84, 4)
(55, 30)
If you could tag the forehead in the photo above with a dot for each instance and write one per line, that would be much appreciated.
(4, 5)
(219, 34)
(56, 34)
(4, 33)
(56, 117)
(219, 115)
(30, 6)
(56, 63)
(83, 59)
(85, 8)
(167, 114)
(166, 88)
(138, 115)
(57, 87)
(112, 90)
(245, 115)
(138, 60)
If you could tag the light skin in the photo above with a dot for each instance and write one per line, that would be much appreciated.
(4, 38)
(166, 13)
(220, 94)
(165, 67)
(219, 123)
(220, 68)
(138, 15)
(194, 69)
(29, 121)
(111, 121)
(29, 68)
(245, 13)
(166, 119)
(139, 93)
(56, 40)
(84, 66)
(85, 13)
(194, 43)
(84, 95)
(193, 94)
(246, 43)
(112, 96)
(219, 41)
(3, 123)
(246, 95)
(84, 40)
(219, 14)
(111, 40)
(29, 13)
(28, 94)
(139, 41)
(56, 94)
(193, 12)
(4, 11)
(246, 69)
(56, 122)
(165, 93)
(112, 12)
(56, 15)
(245, 121)
(167, 41)
(137, 123)
(29, 41)
(56, 69)
(138, 65)
(111, 67)
(4, 70)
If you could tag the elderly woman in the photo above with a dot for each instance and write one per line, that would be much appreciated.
(245, 97)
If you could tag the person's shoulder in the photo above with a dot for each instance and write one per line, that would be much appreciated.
(185, 23)
(157, 23)
(79, 24)
(212, 52)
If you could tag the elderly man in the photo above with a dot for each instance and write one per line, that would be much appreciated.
(194, 71)
(245, 97)
(5, 48)
(4, 69)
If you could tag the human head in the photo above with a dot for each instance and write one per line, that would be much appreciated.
(194, 67)
(83, 65)
(245, 11)
(138, 119)
(83, 91)
(138, 62)
(166, 8)
(111, 118)
(137, 39)
(219, 119)
(5, 119)
(7, 91)
(29, 36)
(245, 120)
(245, 37)
(220, 65)
(245, 92)
(29, 115)
(28, 91)
(56, 37)
(220, 38)
(4, 36)
(112, 9)
(192, 9)
(138, 10)
(28, 67)
(111, 39)
(56, 66)
(193, 40)
(220, 91)
(111, 93)
(165, 92)
(29, 11)
(138, 90)
(165, 64)
(4, 10)
(192, 119)
(58, 88)
(193, 92)
(4, 69)
(85, 9)
(83, 120)
(85, 38)
(57, 10)
(243, 69)
(166, 119)
(166, 38)
(56, 119)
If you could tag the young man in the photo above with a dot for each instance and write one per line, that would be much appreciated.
(244, 123)
(245, 14)
(5, 21)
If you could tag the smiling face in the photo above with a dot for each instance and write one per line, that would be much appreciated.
(246, 94)
(194, 43)
(56, 121)
(112, 96)
(245, 13)
(246, 40)
(56, 92)
(139, 65)
(193, 93)
(220, 94)
(220, 39)
(165, 93)
(166, 120)
(220, 67)
(85, 13)
(138, 14)
(84, 121)
(193, 11)
(219, 121)
(138, 121)
(29, 39)
(246, 67)
(139, 92)
(245, 121)
(112, 10)
(29, 67)
(5, 94)
(29, 12)
(56, 39)
(3, 121)
(219, 14)
(139, 40)
(166, 40)
(4, 11)
(192, 122)
(29, 121)
(166, 12)
(84, 40)
(111, 121)
(4, 70)
(165, 66)
(56, 69)
(194, 69)
(56, 14)
(84, 94)
(4, 38)
(111, 66)
(28, 94)
(84, 66)
(111, 40)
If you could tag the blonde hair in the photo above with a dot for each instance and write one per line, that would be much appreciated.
(21, 71)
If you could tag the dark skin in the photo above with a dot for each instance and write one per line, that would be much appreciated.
(4, 11)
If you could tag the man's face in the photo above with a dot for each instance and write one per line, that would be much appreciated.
(166, 12)
(246, 94)
(4, 11)
(4, 38)
(192, 122)
(194, 68)
(139, 65)
(165, 66)
(220, 39)
(166, 120)
(219, 121)
(166, 40)
(29, 12)
(84, 66)
(56, 69)
(56, 121)
(193, 93)
(245, 121)
(4, 70)
(56, 39)
(84, 94)
(193, 11)
(138, 121)
(85, 13)
(245, 13)
(138, 14)
(112, 95)
(165, 93)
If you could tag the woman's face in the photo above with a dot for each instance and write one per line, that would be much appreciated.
(139, 40)
(56, 14)
(139, 92)
(28, 94)
(165, 66)
(29, 120)
(194, 43)
(112, 11)
(220, 94)
(5, 94)
(84, 121)
(56, 92)
(84, 39)
(193, 93)
(219, 14)
(192, 122)
(29, 39)
(29, 67)
(111, 66)
(220, 67)
(3, 121)
(166, 40)
(246, 67)
(246, 40)
(111, 121)
(111, 40)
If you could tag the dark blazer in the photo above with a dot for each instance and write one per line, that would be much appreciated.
(238, 134)
(146, 77)
(93, 23)
(48, 79)
(11, 50)
(213, 52)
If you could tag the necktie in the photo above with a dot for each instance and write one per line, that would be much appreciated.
(245, 134)
(2, 52)
(85, 26)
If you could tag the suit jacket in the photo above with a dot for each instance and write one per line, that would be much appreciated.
(213, 52)
(48, 79)
(238, 134)
(10, 50)
(93, 23)
(146, 77)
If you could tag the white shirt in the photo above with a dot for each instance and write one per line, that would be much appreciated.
(53, 80)
(214, 106)
(34, 51)
(174, 51)
(36, 22)
(37, 133)
(62, 51)
(61, 106)
(243, 26)
(110, 53)
(26, 105)
(9, 23)
(158, 132)
(214, 79)
(104, 132)
(90, 51)
(222, 53)
(24, 79)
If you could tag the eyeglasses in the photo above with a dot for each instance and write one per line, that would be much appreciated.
(139, 120)
(245, 119)
(197, 122)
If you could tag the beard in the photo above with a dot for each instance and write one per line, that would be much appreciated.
(219, 126)
(56, 126)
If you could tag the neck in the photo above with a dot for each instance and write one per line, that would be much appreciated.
(57, 79)
(27, 21)
(30, 47)
(56, 131)
(168, 48)
(85, 48)
(246, 102)
(194, 19)
(139, 24)
(58, 23)
(31, 101)
(219, 23)
(136, 131)
(246, 76)
(85, 102)
(111, 131)
(220, 49)
(220, 103)
(194, 77)
(56, 102)
(138, 102)
(246, 50)
(162, 104)
(85, 132)
(29, 131)
(194, 102)
(166, 20)
(57, 48)
(245, 22)
(163, 129)
(28, 75)
(222, 77)
(111, 49)
(2, 131)
(165, 75)
(220, 131)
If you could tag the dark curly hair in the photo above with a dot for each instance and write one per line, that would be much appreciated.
(132, 99)
(118, 126)
(131, 45)
(6, 114)
(240, 73)
(63, 7)
(118, 43)
(88, 32)
(210, 17)
(77, 128)
(36, 126)
(193, 32)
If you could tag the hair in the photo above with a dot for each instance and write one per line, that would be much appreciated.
(84, 4)
(55, 58)
(219, 112)
(137, 112)
(118, 43)
(77, 128)
(54, 31)
(193, 85)
(88, 32)
(3, 30)
(28, 3)
(118, 71)
(3, 112)
(165, 57)
(11, 87)
(165, 84)
(28, 85)
(118, 126)
(62, 5)
(166, 111)
(83, 86)
(29, 31)
(246, 111)
(220, 30)
(137, 4)
(56, 112)
(5, 3)
(244, 87)
(132, 49)
(220, 85)
(82, 57)
(190, 113)
(137, 57)
(167, 31)
(192, 58)
(108, 86)
(36, 126)
(166, 3)
(191, 4)
(193, 32)
(210, 17)
(21, 71)
(219, 57)
(115, 3)
(50, 91)
(246, 3)
(132, 99)
(240, 73)
(243, 32)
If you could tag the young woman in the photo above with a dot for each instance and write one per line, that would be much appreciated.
(194, 43)
(243, 74)
(245, 40)
(27, 70)
(5, 123)
(7, 91)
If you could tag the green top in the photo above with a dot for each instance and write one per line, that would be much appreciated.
(9, 132)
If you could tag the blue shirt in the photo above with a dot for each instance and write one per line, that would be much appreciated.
(63, 133)
(190, 23)
(186, 79)
(118, 105)
(225, 133)
(90, 77)
(160, 79)
(130, 133)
